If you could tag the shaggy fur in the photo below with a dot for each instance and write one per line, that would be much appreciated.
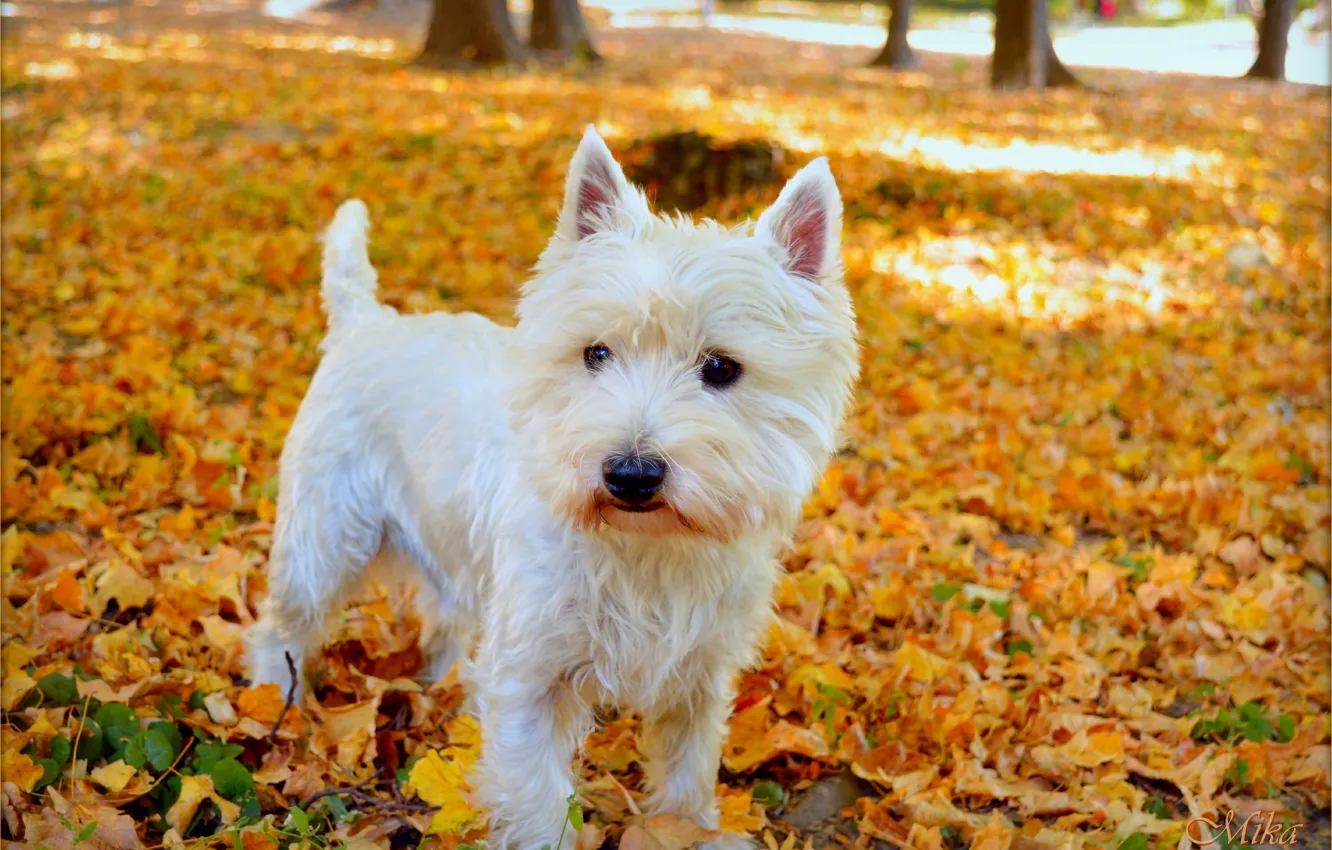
(477, 451)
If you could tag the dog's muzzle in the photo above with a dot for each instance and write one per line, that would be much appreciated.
(635, 480)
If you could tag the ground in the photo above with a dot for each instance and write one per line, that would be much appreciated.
(1067, 585)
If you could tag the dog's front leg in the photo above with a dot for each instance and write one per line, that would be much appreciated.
(530, 734)
(682, 742)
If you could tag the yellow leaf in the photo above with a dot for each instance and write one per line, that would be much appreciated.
(16, 686)
(20, 769)
(440, 782)
(11, 546)
(888, 600)
(114, 776)
(920, 664)
(1090, 750)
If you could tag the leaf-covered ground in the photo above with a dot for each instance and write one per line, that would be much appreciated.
(1067, 586)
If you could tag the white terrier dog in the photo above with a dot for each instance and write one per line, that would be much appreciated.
(603, 489)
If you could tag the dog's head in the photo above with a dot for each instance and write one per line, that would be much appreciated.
(678, 378)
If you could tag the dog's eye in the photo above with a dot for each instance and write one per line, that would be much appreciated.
(718, 371)
(596, 356)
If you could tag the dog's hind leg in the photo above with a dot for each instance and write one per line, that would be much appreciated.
(446, 610)
(446, 630)
(326, 535)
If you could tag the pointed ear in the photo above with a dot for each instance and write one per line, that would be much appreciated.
(594, 190)
(806, 223)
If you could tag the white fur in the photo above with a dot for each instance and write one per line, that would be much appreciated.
(476, 450)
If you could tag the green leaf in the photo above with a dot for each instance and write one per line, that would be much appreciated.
(1000, 609)
(1136, 841)
(1254, 724)
(210, 752)
(576, 815)
(143, 435)
(119, 723)
(58, 689)
(159, 748)
(50, 773)
(769, 793)
(169, 705)
(133, 754)
(172, 732)
(116, 714)
(1221, 728)
(86, 833)
(300, 819)
(944, 591)
(1019, 645)
(1285, 729)
(1238, 775)
(61, 749)
(1157, 806)
(231, 779)
(333, 805)
(91, 741)
(1140, 568)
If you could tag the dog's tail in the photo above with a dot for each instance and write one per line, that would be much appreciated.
(349, 280)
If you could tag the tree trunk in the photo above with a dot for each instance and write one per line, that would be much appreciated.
(1273, 37)
(558, 26)
(1024, 55)
(896, 53)
(465, 33)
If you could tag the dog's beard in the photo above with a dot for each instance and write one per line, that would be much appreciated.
(593, 510)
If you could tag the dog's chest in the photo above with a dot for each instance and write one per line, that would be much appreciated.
(642, 652)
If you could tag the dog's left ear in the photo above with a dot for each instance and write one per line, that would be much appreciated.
(595, 190)
(806, 223)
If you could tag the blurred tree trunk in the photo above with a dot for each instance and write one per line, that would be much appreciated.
(1132, 8)
(464, 33)
(1024, 55)
(559, 26)
(896, 53)
(1273, 38)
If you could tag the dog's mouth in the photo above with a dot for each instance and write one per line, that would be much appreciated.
(637, 509)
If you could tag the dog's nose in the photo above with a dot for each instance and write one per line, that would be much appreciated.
(634, 480)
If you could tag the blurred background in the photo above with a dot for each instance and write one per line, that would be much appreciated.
(1210, 37)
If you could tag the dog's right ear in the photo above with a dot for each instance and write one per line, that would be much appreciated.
(596, 191)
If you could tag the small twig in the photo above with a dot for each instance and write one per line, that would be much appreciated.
(78, 736)
(355, 792)
(291, 698)
(628, 800)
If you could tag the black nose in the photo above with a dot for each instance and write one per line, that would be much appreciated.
(634, 480)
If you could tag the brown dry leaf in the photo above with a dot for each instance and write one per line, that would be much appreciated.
(665, 832)
(348, 732)
(125, 585)
(194, 790)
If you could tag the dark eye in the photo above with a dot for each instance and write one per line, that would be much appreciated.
(596, 356)
(719, 371)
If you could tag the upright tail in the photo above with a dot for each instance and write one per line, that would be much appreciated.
(349, 280)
